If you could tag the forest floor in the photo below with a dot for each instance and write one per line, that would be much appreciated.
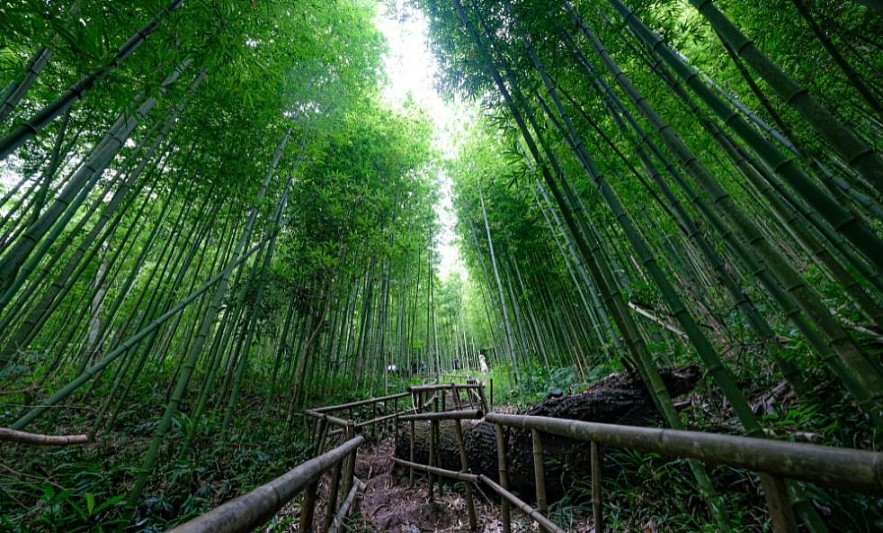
(390, 504)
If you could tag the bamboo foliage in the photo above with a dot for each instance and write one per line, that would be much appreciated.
(630, 196)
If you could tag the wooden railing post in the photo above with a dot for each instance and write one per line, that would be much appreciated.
(337, 524)
(484, 404)
(778, 503)
(491, 406)
(314, 432)
(321, 436)
(504, 479)
(539, 470)
(411, 455)
(395, 442)
(596, 488)
(433, 460)
(349, 471)
(464, 467)
(331, 504)
(455, 392)
(308, 508)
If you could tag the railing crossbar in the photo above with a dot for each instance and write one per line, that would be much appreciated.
(851, 470)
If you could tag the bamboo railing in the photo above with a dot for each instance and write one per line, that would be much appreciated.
(258, 506)
(848, 469)
(851, 470)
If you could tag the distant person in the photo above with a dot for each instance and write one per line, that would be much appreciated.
(482, 363)
(456, 364)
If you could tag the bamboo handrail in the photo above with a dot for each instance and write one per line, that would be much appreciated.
(360, 403)
(462, 476)
(331, 419)
(377, 420)
(468, 414)
(444, 386)
(851, 470)
(258, 506)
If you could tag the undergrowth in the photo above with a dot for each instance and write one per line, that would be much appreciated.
(84, 488)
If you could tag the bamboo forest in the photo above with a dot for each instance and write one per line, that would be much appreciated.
(441, 265)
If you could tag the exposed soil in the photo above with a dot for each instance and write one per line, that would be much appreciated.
(390, 504)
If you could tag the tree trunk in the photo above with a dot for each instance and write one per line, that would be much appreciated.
(619, 399)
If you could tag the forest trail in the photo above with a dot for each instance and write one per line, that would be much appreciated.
(390, 504)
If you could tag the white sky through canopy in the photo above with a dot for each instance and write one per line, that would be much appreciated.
(411, 70)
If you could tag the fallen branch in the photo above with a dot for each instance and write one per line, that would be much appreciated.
(24, 437)
(664, 323)
(857, 327)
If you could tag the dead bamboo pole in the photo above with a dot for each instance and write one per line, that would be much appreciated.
(23, 437)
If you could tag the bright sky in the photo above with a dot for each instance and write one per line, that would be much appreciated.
(411, 69)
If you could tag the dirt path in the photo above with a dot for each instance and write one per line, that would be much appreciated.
(389, 504)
